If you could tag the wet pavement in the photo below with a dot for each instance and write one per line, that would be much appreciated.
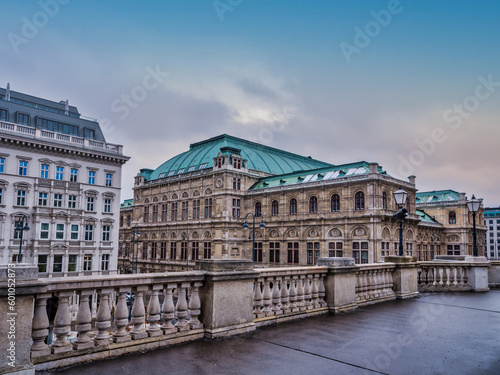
(438, 333)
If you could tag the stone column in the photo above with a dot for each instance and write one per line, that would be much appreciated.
(404, 276)
(227, 296)
(340, 284)
(18, 286)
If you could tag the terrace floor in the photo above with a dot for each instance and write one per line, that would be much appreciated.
(438, 333)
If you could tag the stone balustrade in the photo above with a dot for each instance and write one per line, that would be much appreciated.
(443, 276)
(374, 283)
(282, 294)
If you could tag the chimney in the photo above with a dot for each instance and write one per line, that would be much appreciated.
(7, 92)
(411, 179)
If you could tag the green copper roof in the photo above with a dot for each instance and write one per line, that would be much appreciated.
(321, 174)
(437, 196)
(425, 217)
(127, 203)
(261, 158)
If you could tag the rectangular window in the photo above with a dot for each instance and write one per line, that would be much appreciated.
(1, 195)
(42, 199)
(335, 249)
(154, 247)
(23, 119)
(106, 231)
(163, 250)
(236, 207)
(58, 127)
(105, 262)
(173, 250)
(59, 231)
(312, 252)
(58, 262)
(21, 198)
(23, 167)
(196, 209)
(90, 204)
(208, 208)
(109, 179)
(274, 252)
(59, 173)
(155, 213)
(146, 214)
(74, 232)
(207, 250)
(73, 176)
(185, 206)
(257, 256)
(42, 263)
(90, 133)
(71, 201)
(164, 212)
(174, 211)
(184, 250)
(236, 183)
(293, 252)
(107, 205)
(58, 198)
(91, 177)
(2, 165)
(89, 232)
(3, 115)
(44, 171)
(72, 263)
(195, 250)
(87, 262)
(44, 231)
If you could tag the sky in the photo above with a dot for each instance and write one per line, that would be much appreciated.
(412, 85)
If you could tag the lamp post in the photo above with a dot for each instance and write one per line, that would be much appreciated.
(473, 205)
(134, 233)
(400, 197)
(22, 225)
(252, 236)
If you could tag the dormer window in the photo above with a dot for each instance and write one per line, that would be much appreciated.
(236, 163)
(220, 162)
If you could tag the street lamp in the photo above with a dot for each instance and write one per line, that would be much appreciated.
(22, 225)
(473, 205)
(400, 197)
(252, 236)
(135, 232)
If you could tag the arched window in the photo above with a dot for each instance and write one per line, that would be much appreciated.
(335, 203)
(129, 220)
(313, 205)
(452, 217)
(293, 206)
(258, 208)
(359, 201)
(274, 208)
(384, 200)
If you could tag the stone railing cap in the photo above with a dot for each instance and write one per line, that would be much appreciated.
(336, 262)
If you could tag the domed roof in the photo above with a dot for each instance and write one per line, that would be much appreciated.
(260, 158)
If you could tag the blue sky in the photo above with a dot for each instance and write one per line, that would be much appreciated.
(418, 89)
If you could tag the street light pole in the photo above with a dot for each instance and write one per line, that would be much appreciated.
(400, 197)
(22, 225)
(473, 206)
(261, 225)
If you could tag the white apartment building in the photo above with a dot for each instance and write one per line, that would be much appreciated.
(61, 179)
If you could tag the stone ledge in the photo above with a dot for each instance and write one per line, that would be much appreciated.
(277, 319)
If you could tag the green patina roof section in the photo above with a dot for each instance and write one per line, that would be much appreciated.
(260, 158)
(437, 196)
(127, 203)
(425, 217)
(328, 173)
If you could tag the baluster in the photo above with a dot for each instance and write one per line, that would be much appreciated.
(292, 295)
(40, 326)
(300, 293)
(194, 306)
(103, 322)
(460, 276)
(121, 317)
(267, 298)
(454, 276)
(441, 277)
(154, 313)
(276, 297)
(181, 309)
(307, 293)
(322, 291)
(83, 320)
(434, 276)
(447, 275)
(364, 286)
(285, 302)
(168, 310)
(257, 300)
(62, 324)
(465, 275)
(138, 311)
(314, 292)
(358, 286)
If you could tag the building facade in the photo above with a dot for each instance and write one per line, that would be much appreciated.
(60, 179)
(194, 206)
(492, 223)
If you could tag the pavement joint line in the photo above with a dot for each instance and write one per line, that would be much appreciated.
(461, 307)
(321, 356)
